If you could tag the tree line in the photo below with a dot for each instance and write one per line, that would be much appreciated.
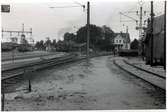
(101, 38)
(41, 45)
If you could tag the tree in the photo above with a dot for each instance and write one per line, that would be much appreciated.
(134, 44)
(100, 37)
(47, 42)
(54, 44)
(95, 35)
(69, 37)
(40, 45)
(108, 37)
(37, 45)
(23, 40)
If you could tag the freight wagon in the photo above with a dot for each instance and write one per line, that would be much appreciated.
(158, 42)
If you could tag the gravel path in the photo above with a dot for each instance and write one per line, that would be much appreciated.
(98, 84)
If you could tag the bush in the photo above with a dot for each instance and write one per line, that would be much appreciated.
(24, 48)
(8, 46)
(128, 53)
(134, 44)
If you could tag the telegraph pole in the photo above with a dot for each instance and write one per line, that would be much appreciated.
(88, 29)
(152, 19)
(165, 36)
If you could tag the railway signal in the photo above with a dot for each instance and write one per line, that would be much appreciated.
(139, 22)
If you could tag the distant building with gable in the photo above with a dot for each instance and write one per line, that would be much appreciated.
(121, 41)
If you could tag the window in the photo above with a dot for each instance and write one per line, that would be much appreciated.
(119, 41)
(116, 41)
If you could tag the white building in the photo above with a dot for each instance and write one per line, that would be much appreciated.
(122, 41)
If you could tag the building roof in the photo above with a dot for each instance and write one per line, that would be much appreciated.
(124, 35)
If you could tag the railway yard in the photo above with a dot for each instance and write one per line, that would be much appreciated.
(63, 81)
(83, 55)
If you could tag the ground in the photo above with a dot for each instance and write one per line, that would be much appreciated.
(97, 84)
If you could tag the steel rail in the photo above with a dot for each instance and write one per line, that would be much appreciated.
(35, 63)
(19, 57)
(46, 64)
(144, 70)
(32, 67)
(122, 68)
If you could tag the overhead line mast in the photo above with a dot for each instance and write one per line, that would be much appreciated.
(139, 20)
(87, 25)
(11, 32)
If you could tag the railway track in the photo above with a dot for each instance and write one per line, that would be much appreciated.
(23, 56)
(31, 67)
(158, 75)
(155, 80)
(12, 76)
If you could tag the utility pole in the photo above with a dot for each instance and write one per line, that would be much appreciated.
(88, 28)
(165, 36)
(152, 19)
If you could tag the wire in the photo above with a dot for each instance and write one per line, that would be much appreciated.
(79, 3)
(128, 16)
(131, 10)
(64, 7)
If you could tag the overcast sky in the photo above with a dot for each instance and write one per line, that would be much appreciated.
(53, 23)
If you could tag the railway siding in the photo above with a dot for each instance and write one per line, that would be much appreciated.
(9, 73)
(27, 62)
(19, 70)
(148, 77)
